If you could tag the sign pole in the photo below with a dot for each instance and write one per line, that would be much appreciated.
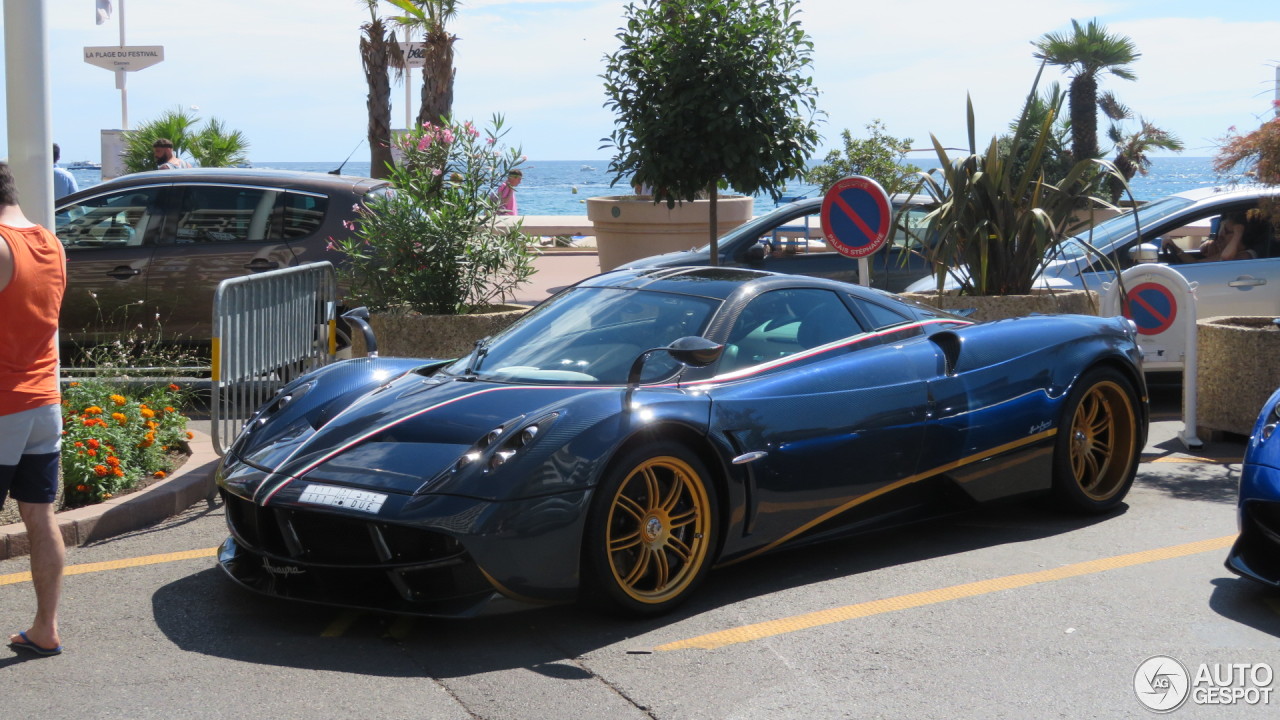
(408, 99)
(120, 79)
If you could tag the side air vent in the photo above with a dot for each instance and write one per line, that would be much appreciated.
(949, 342)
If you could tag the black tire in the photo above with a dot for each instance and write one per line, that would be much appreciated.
(1096, 454)
(651, 532)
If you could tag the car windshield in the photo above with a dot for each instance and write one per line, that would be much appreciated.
(758, 226)
(590, 336)
(1106, 233)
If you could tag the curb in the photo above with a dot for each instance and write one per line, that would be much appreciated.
(191, 482)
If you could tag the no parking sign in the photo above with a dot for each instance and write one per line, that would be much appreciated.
(1152, 307)
(856, 216)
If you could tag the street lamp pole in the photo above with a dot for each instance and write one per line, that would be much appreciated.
(26, 64)
(120, 79)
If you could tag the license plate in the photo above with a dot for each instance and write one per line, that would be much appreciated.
(348, 498)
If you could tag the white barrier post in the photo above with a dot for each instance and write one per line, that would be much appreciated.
(1162, 303)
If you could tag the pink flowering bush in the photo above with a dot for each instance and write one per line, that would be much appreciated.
(434, 244)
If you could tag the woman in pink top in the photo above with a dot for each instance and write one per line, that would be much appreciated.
(507, 192)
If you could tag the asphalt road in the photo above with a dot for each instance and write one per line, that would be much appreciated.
(1014, 611)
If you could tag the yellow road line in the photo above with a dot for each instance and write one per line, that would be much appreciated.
(116, 564)
(759, 631)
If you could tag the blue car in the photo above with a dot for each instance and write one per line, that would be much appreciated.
(643, 426)
(1256, 552)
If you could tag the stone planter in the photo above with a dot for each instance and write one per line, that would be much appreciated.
(434, 336)
(1235, 370)
(630, 227)
(1000, 307)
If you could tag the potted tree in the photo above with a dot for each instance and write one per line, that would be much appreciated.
(429, 258)
(709, 94)
(999, 217)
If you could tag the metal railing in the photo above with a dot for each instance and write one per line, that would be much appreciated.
(268, 328)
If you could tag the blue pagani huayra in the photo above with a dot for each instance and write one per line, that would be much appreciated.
(1256, 552)
(644, 425)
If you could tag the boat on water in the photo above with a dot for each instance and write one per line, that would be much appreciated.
(84, 165)
(587, 168)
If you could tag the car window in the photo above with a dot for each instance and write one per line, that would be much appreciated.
(223, 213)
(878, 315)
(591, 335)
(910, 229)
(112, 220)
(780, 323)
(303, 214)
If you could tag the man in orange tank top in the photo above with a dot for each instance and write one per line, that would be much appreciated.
(33, 275)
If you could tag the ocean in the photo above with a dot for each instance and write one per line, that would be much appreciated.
(561, 187)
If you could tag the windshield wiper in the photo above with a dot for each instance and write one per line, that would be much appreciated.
(476, 357)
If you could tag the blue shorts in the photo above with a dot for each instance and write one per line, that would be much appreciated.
(29, 450)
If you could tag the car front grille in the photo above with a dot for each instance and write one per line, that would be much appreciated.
(353, 561)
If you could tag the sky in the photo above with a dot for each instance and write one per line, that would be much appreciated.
(287, 73)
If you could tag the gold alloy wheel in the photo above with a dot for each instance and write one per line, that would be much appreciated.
(1102, 440)
(658, 530)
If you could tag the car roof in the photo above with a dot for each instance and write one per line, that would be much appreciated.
(713, 282)
(286, 179)
(1228, 192)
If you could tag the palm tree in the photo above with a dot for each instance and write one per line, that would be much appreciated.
(210, 146)
(430, 16)
(375, 55)
(1131, 150)
(1086, 53)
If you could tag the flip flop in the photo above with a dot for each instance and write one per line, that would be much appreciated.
(29, 646)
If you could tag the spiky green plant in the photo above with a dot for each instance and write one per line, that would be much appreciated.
(998, 218)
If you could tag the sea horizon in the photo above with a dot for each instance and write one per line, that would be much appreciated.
(561, 187)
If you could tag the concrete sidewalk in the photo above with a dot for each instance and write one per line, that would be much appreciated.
(556, 268)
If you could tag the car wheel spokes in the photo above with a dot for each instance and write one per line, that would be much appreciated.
(1102, 440)
(657, 530)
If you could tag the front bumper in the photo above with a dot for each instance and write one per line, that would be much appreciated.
(452, 557)
(1256, 552)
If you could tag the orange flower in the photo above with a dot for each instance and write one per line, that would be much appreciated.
(174, 388)
(158, 473)
(190, 435)
(82, 488)
(152, 424)
(74, 384)
(119, 399)
(118, 472)
(79, 444)
(120, 418)
(147, 412)
(93, 453)
(93, 410)
(107, 496)
(99, 470)
(169, 409)
(93, 442)
(113, 461)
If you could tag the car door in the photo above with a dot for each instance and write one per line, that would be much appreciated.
(1229, 287)
(215, 232)
(110, 241)
(828, 422)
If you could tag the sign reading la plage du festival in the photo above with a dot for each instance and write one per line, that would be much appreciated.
(129, 58)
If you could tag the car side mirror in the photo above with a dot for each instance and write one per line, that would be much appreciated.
(1144, 253)
(754, 254)
(693, 350)
(360, 318)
